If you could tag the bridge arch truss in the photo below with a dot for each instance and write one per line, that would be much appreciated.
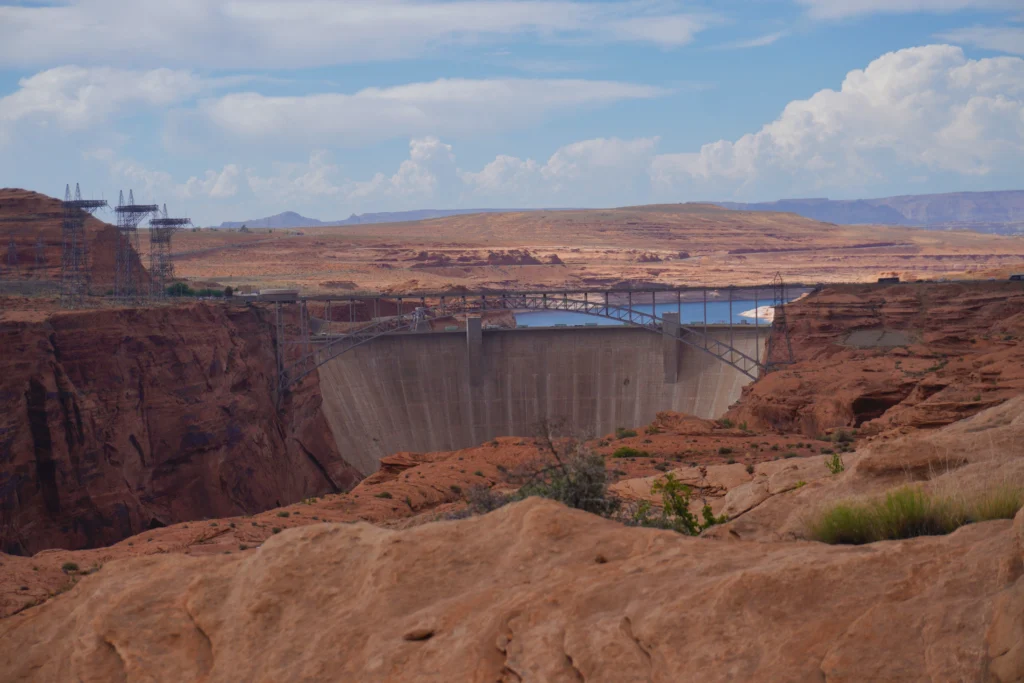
(317, 343)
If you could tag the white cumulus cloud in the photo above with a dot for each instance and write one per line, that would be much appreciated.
(915, 109)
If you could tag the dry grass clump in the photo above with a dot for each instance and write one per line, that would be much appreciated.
(910, 511)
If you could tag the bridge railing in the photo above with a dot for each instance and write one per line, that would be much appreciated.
(321, 340)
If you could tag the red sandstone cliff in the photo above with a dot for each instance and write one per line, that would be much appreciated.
(114, 421)
(27, 216)
(910, 355)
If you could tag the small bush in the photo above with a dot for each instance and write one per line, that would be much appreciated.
(69, 567)
(284, 513)
(827, 451)
(789, 455)
(479, 473)
(483, 499)
(653, 429)
(456, 489)
(730, 461)
(724, 450)
(835, 463)
(623, 433)
(675, 510)
(276, 530)
(750, 468)
(385, 494)
(843, 436)
(627, 452)
(775, 447)
(725, 422)
(909, 512)
(242, 546)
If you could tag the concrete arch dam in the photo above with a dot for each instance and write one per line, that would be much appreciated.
(437, 391)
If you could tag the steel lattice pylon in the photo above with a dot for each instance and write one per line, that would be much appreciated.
(127, 269)
(161, 263)
(74, 259)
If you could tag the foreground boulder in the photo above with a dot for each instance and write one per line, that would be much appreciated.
(539, 592)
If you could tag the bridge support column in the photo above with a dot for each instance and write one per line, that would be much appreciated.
(475, 349)
(670, 346)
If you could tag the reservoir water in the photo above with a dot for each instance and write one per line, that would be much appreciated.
(690, 313)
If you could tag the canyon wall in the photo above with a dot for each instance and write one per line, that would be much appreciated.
(902, 356)
(419, 392)
(114, 421)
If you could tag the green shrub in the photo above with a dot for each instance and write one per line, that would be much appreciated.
(627, 452)
(579, 481)
(385, 494)
(775, 447)
(835, 463)
(730, 461)
(653, 429)
(284, 513)
(180, 289)
(725, 422)
(675, 510)
(478, 473)
(276, 530)
(456, 489)
(724, 450)
(909, 512)
(750, 468)
(69, 567)
(842, 436)
(789, 455)
(623, 433)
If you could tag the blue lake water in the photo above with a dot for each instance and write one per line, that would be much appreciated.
(689, 313)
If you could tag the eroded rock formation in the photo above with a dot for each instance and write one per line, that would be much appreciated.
(119, 420)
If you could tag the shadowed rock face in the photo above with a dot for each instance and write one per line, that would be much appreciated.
(538, 592)
(116, 421)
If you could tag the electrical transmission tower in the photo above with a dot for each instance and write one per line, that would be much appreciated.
(12, 254)
(127, 267)
(74, 265)
(161, 263)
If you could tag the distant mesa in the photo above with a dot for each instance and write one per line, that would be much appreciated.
(990, 212)
(290, 219)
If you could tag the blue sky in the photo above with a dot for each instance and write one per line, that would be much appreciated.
(228, 110)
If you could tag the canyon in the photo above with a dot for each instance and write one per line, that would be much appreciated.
(167, 513)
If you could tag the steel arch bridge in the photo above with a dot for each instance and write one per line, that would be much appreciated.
(317, 344)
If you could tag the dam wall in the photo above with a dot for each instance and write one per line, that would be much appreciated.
(436, 391)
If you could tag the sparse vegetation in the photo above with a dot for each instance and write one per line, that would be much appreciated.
(835, 463)
(750, 468)
(675, 510)
(623, 433)
(276, 530)
(69, 567)
(725, 422)
(653, 429)
(456, 489)
(284, 513)
(788, 455)
(724, 450)
(909, 512)
(627, 452)
(384, 494)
